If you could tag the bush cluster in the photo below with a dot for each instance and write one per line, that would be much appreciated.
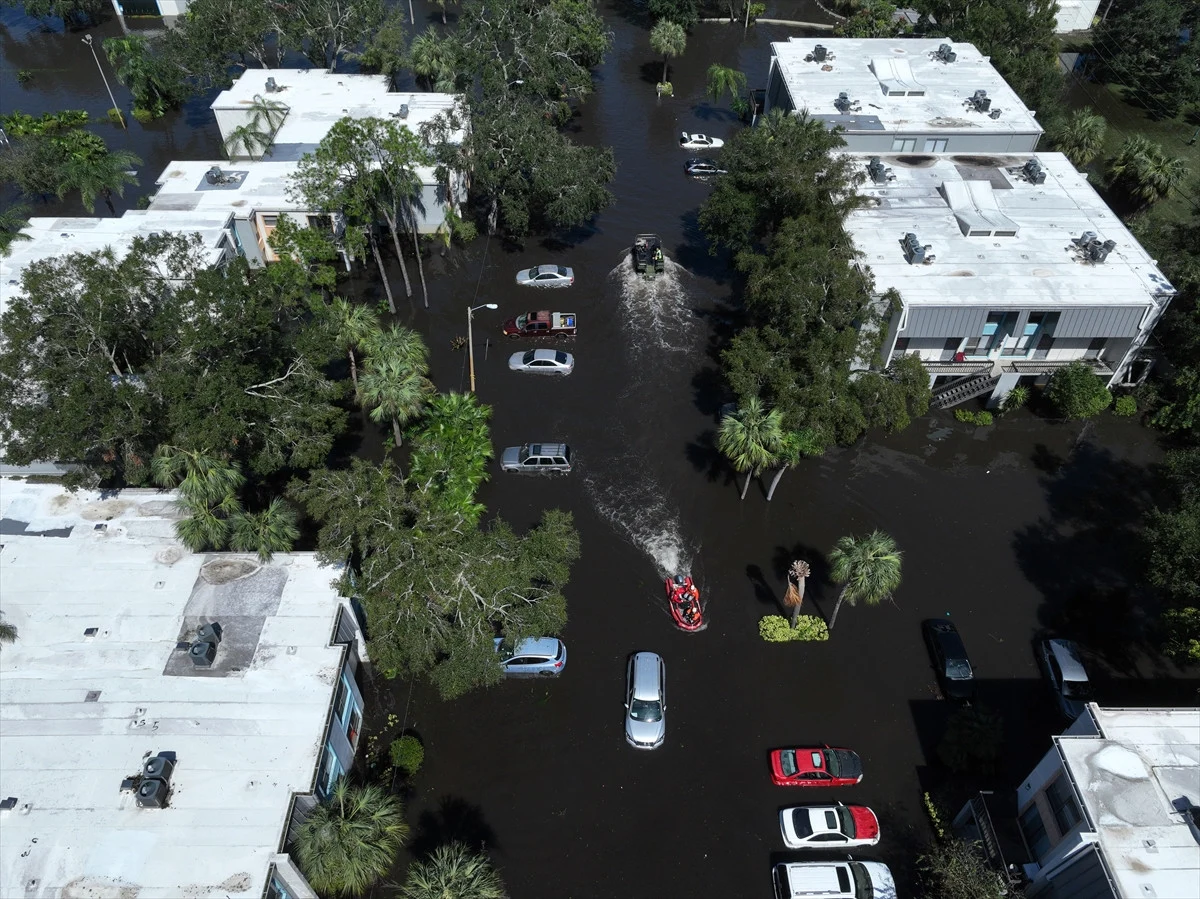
(982, 419)
(407, 754)
(776, 629)
(1125, 406)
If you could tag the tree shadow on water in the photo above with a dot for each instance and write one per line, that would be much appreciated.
(454, 821)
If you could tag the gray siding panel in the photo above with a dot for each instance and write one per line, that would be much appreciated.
(945, 321)
(1104, 321)
(1084, 878)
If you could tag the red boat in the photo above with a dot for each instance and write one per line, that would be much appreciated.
(684, 601)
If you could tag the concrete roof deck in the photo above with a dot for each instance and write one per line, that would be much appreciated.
(1038, 266)
(901, 61)
(252, 186)
(246, 734)
(1134, 781)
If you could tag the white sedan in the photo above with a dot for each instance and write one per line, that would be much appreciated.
(699, 142)
(546, 276)
(542, 362)
(828, 826)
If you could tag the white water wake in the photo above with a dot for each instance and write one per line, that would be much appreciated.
(657, 310)
(640, 512)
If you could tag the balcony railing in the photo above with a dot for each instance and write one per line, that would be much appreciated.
(1046, 366)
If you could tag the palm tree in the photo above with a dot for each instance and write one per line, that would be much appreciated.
(669, 39)
(868, 568)
(351, 839)
(393, 383)
(794, 446)
(453, 872)
(8, 632)
(750, 438)
(1081, 137)
(431, 58)
(721, 79)
(270, 531)
(206, 525)
(452, 450)
(200, 477)
(1145, 172)
(355, 326)
(98, 175)
(249, 138)
(13, 220)
(798, 575)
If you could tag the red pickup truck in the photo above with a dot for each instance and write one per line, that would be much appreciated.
(541, 324)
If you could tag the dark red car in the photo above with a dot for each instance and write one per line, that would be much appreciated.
(815, 766)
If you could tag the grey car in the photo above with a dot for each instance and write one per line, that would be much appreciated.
(546, 276)
(537, 458)
(645, 701)
(1068, 679)
(542, 362)
(535, 657)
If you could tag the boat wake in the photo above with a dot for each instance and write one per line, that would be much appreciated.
(640, 512)
(658, 310)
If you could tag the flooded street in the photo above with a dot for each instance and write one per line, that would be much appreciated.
(1013, 530)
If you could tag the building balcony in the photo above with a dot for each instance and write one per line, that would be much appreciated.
(1047, 366)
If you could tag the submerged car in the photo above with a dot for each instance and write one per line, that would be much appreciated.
(645, 701)
(542, 362)
(949, 656)
(535, 657)
(828, 826)
(834, 880)
(702, 167)
(815, 766)
(537, 458)
(1061, 662)
(546, 276)
(699, 142)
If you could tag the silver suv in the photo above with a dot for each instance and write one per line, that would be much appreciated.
(537, 458)
(834, 880)
(1068, 678)
(645, 701)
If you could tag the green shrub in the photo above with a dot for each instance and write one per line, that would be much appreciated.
(1180, 630)
(1077, 392)
(776, 629)
(981, 419)
(1125, 406)
(1017, 397)
(937, 820)
(407, 754)
(143, 115)
(665, 88)
(24, 76)
(114, 116)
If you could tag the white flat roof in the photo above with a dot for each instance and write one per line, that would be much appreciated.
(52, 237)
(250, 186)
(1038, 266)
(935, 92)
(246, 734)
(1134, 780)
(317, 99)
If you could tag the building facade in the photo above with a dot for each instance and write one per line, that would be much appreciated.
(901, 95)
(1005, 269)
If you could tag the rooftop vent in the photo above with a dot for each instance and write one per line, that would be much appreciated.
(152, 793)
(879, 173)
(209, 633)
(980, 101)
(1035, 174)
(819, 53)
(272, 87)
(92, 696)
(404, 110)
(844, 104)
(1091, 249)
(161, 766)
(994, 114)
(945, 53)
(915, 252)
(215, 175)
(202, 653)
(9, 803)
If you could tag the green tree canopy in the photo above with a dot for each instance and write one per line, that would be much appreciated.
(955, 869)
(1081, 136)
(1078, 392)
(1144, 173)
(453, 872)
(667, 39)
(868, 568)
(1139, 46)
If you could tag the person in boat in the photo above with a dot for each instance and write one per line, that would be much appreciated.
(658, 256)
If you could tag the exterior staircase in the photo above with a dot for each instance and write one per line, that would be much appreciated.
(965, 388)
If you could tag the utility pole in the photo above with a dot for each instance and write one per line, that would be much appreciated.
(87, 39)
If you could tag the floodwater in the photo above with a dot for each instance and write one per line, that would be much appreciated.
(1014, 530)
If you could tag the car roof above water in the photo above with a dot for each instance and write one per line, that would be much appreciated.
(1066, 653)
(646, 668)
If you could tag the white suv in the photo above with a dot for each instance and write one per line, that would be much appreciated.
(834, 880)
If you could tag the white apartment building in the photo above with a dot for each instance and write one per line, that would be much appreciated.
(901, 95)
(165, 716)
(1008, 267)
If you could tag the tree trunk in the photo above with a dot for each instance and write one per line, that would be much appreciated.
(396, 431)
(420, 264)
(837, 606)
(396, 241)
(746, 486)
(383, 274)
(664, 77)
(775, 482)
(353, 370)
(493, 216)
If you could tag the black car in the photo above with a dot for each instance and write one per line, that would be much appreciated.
(950, 659)
(702, 167)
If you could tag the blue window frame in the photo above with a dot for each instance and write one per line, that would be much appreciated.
(276, 890)
(330, 771)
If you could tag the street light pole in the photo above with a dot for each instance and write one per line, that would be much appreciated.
(87, 39)
(471, 337)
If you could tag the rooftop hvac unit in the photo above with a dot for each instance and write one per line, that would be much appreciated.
(404, 110)
(1096, 252)
(945, 53)
(915, 252)
(819, 53)
(160, 766)
(980, 101)
(272, 87)
(202, 653)
(152, 793)
(1085, 238)
(209, 633)
(842, 103)
(1035, 174)
(214, 175)
(994, 114)
(879, 173)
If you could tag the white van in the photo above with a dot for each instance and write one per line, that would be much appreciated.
(834, 880)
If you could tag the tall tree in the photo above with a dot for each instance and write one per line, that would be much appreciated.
(868, 568)
(351, 840)
(669, 39)
(393, 385)
(1140, 47)
(354, 326)
(156, 83)
(955, 869)
(685, 12)
(72, 12)
(273, 530)
(1081, 136)
(326, 30)
(722, 80)
(453, 872)
(750, 438)
(14, 220)
(385, 49)
(434, 60)
(798, 576)
(451, 451)
(794, 446)
(99, 176)
(1144, 172)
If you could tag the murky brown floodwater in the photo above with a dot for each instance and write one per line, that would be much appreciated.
(1013, 530)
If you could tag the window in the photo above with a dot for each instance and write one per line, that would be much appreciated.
(1034, 831)
(339, 700)
(1062, 803)
(353, 726)
(276, 890)
(329, 772)
(269, 221)
(904, 145)
(901, 346)
(935, 145)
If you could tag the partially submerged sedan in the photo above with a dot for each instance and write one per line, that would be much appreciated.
(546, 276)
(815, 766)
(828, 826)
(702, 168)
(542, 362)
(535, 657)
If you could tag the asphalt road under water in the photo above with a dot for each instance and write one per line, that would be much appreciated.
(1012, 530)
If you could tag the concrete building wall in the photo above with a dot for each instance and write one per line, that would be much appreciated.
(923, 141)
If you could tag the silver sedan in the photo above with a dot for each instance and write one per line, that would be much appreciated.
(542, 362)
(546, 276)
